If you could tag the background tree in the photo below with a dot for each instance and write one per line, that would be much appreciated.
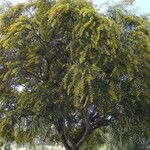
(79, 70)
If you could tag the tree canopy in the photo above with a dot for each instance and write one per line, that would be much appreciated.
(79, 71)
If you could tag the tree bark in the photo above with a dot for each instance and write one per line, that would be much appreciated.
(76, 142)
(67, 147)
(75, 148)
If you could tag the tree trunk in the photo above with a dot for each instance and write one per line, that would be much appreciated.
(69, 148)
(75, 148)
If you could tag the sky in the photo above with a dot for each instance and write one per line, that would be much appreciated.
(142, 6)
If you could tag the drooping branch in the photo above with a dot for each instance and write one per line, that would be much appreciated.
(47, 69)
(32, 74)
(42, 42)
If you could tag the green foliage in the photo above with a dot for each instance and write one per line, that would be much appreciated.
(69, 58)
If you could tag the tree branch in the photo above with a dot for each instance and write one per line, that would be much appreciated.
(84, 136)
(101, 122)
(32, 74)
(62, 131)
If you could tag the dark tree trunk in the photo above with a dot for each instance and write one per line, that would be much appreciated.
(67, 147)
(76, 142)
(75, 148)
(72, 144)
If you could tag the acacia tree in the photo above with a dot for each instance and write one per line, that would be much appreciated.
(79, 71)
